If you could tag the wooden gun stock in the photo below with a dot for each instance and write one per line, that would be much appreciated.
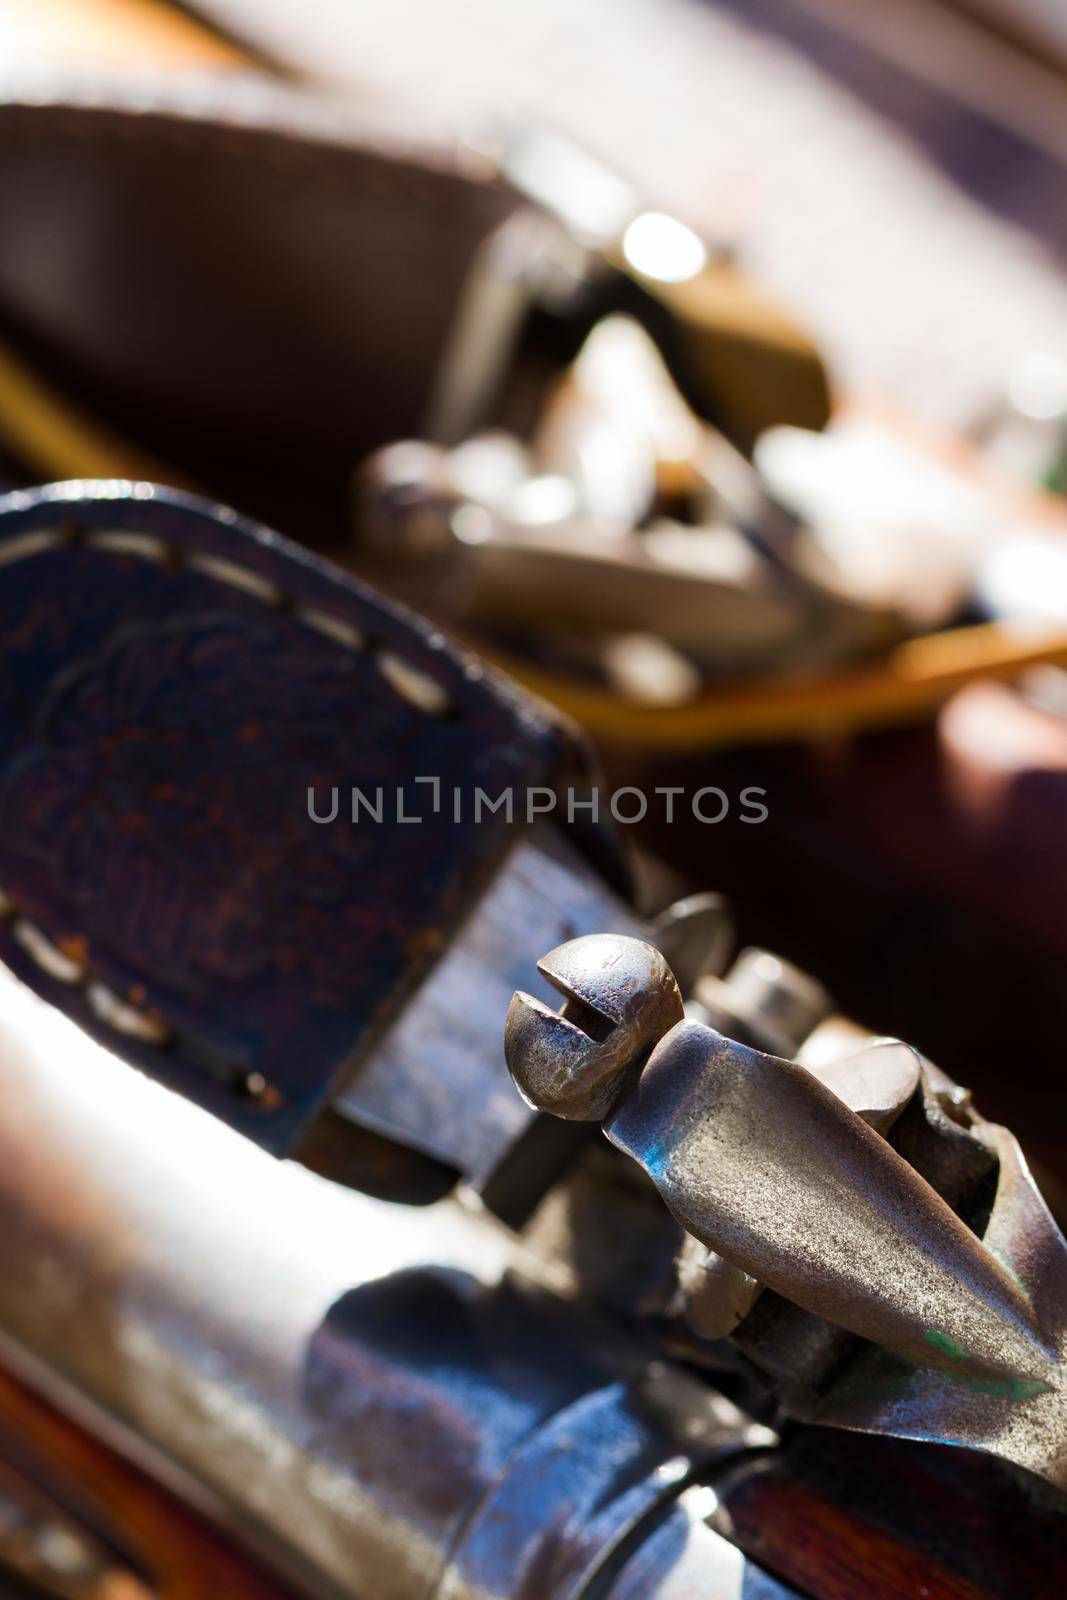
(78, 1522)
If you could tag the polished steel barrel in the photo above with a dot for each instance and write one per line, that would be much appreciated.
(388, 1401)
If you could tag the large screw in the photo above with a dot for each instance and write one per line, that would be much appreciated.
(620, 998)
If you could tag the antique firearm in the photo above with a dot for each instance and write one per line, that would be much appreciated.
(506, 1368)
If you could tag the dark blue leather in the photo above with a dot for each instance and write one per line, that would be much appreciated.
(161, 719)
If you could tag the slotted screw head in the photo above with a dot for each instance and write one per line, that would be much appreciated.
(620, 998)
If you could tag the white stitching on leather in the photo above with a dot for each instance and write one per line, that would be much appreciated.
(29, 544)
(48, 956)
(334, 628)
(147, 1026)
(129, 544)
(237, 577)
(418, 688)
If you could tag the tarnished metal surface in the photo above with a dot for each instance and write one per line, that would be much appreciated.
(764, 1001)
(383, 1398)
(716, 1295)
(620, 998)
(876, 1082)
(696, 935)
(766, 1165)
(881, 1395)
(684, 1559)
(438, 1081)
(578, 1487)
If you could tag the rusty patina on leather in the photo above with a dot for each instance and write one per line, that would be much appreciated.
(173, 680)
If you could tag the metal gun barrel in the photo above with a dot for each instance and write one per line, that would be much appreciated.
(377, 1397)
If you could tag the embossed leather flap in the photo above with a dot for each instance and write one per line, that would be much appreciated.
(172, 682)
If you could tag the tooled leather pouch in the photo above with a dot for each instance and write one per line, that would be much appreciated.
(173, 682)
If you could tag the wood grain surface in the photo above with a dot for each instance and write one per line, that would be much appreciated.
(180, 1553)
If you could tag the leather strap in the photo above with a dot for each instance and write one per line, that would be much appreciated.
(173, 680)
